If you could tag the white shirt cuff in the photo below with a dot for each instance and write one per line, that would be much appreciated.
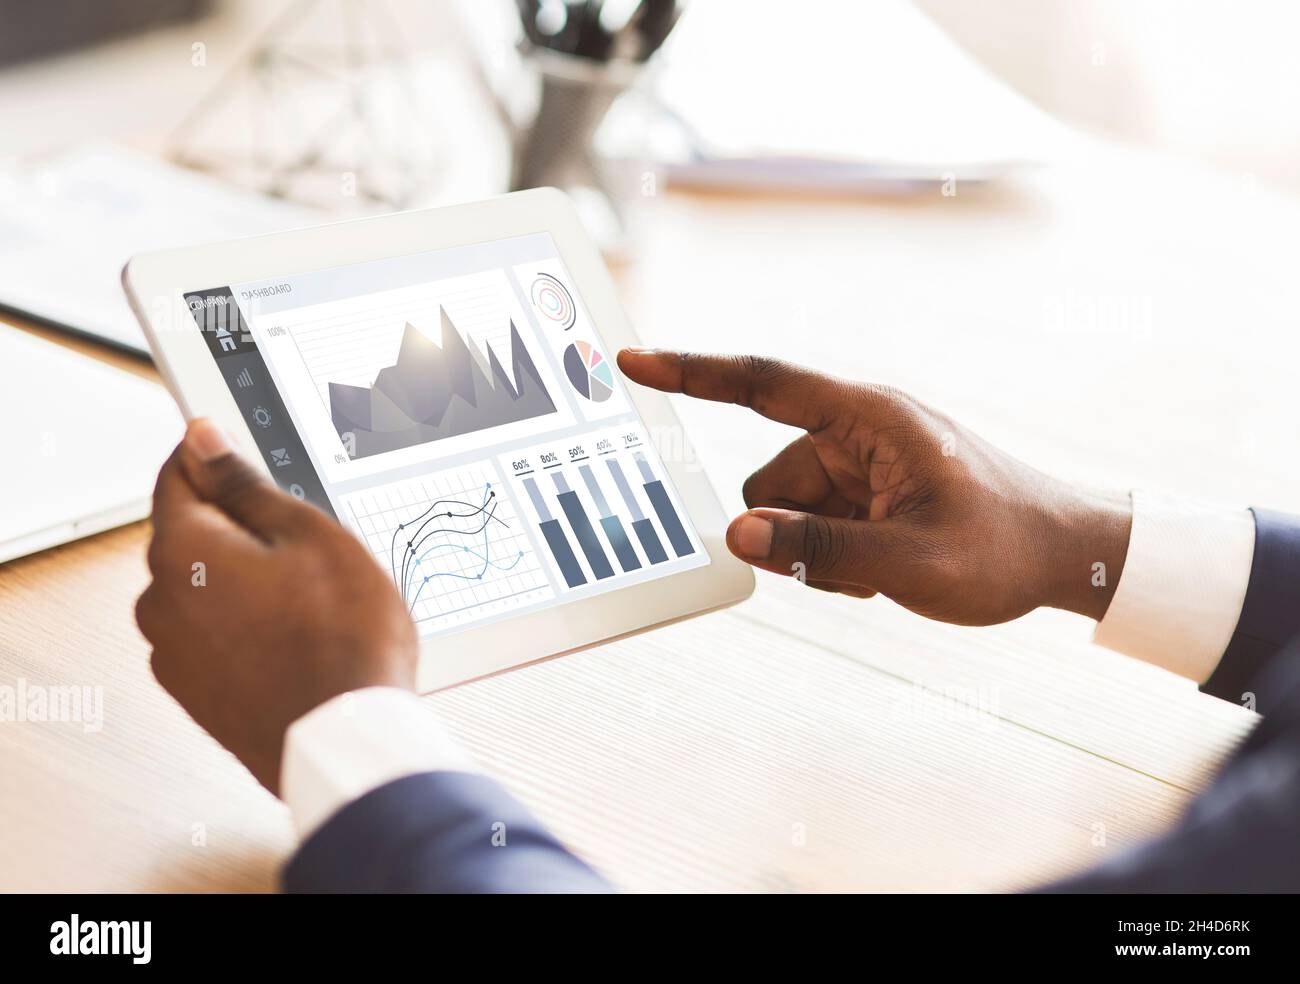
(355, 743)
(1179, 598)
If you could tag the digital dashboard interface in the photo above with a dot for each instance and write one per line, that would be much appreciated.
(458, 410)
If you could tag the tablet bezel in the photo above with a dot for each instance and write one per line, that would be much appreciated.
(155, 284)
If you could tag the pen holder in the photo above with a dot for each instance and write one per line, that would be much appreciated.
(557, 147)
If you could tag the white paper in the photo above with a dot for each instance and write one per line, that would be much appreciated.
(828, 92)
(69, 225)
(86, 443)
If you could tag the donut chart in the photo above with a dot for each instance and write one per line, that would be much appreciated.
(589, 372)
(554, 301)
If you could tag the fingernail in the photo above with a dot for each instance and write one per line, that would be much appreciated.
(754, 537)
(637, 350)
(207, 440)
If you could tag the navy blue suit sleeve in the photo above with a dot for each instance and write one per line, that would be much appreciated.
(437, 832)
(1270, 615)
(1240, 834)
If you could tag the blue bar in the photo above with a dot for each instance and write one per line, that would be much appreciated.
(555, 538)
(582, 529)
(617, 536)
(664, 509)
(668, 517)
(645, 532)
(563, 553)
(644, 529)
(611, 524)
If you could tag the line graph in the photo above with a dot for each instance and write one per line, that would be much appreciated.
(453, 545)
(413, 543)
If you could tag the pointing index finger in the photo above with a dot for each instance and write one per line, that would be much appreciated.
(780, 391)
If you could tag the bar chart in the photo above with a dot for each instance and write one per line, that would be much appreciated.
(562, 553)
(610, 523)
(642, 527)
(582, 528)
(603, 507)
(672, 522)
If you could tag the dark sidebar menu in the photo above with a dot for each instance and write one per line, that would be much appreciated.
(241, 365)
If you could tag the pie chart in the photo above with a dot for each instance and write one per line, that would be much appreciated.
(589, 372)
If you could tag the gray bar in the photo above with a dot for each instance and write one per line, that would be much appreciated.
(668, 518)
(586, 534)
(611, 524)
(646, 474)
(555, 538)
(645, 532)
(563, 553)
(597, 493)
(663, 506)
(534, 493)
(625, 490)
(617, 536)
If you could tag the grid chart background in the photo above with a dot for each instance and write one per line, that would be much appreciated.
(510, 582)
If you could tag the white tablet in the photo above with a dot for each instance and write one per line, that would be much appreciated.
(443, 383)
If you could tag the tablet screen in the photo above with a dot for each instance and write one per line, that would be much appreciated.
(459, 411)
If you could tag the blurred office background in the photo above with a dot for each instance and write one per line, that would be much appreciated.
(1041, 118)
(946, 179)
(1210, 80)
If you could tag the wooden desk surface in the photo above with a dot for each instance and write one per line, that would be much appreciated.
(799, 741)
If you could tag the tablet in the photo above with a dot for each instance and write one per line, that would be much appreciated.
(443, 383)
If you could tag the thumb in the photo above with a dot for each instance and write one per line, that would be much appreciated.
(853, 551)
(224, 479)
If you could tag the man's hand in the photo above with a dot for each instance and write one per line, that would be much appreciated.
(261, 607)
(882, 494)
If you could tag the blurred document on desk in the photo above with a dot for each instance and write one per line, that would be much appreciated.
(85, 442)
(68, 225)
(834, 95)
